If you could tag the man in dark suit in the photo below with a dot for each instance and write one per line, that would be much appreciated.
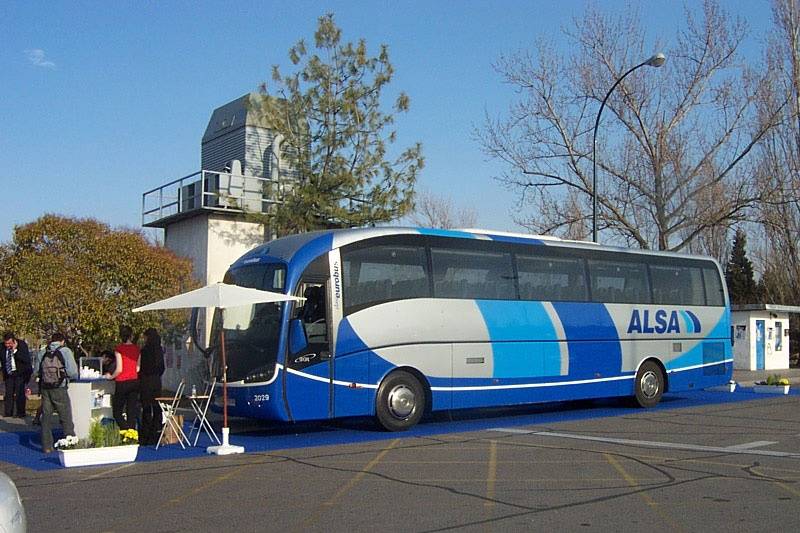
(17, 370)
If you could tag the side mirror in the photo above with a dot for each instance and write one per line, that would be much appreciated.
(297, 336)
(197, 339)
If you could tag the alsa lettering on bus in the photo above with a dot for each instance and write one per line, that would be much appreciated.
(662, 321)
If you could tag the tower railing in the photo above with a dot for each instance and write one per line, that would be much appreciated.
(210, 191)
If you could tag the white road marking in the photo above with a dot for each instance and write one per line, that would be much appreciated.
(748, 445)
(513, 430)
(652, 444)
(106, 472)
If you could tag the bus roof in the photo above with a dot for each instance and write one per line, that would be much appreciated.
(314, 243)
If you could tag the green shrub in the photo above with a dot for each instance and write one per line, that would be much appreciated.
(97, 434)
(102, 435)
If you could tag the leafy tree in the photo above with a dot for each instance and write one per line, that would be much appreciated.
(337, 136)
(742, 288)
(779, 161)
(675, 152)
(82, 278)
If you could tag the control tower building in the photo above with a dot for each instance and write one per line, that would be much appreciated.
(208, 217)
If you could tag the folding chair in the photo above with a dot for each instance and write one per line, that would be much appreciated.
(169, 408)
(200, 405)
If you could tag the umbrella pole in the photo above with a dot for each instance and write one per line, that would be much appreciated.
(225, 448)
(224, 372)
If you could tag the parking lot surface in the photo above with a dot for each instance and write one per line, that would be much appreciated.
(713, 467)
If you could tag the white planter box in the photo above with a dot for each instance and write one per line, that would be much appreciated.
(771, 389)
(98, 456)
(729, 387)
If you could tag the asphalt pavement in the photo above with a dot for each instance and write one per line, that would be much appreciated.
(710, 466)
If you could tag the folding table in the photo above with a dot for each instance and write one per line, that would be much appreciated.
(200, 404)
(169, 408)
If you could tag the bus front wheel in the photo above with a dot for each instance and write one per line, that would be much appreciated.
(649, 384)
(400, 401)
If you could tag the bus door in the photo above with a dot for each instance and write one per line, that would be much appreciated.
(309, 373)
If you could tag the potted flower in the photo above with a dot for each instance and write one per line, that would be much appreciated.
(774, 384)
(106, 444)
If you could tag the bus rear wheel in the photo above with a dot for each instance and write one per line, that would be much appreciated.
(400, 401)
(649, 384)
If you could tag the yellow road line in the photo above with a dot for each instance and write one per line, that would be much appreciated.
(345, 488)
(663, 459)
(646, 497)
(205, 486)
(355, 479)
(784, 486)
(788, 488)
(491, 475)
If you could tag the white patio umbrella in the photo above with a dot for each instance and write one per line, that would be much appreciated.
(220, 296)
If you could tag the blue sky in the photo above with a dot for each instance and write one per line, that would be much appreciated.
(102, 101)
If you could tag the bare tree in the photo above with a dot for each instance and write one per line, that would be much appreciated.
(779, 161)
(675, 152)
(438, 212)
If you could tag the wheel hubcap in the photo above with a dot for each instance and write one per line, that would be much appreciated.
(649, 384)
(402, 401)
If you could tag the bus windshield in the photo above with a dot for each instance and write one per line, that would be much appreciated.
(251, 331)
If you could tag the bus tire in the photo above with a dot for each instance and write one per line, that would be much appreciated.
(650, 384)
(400, 402)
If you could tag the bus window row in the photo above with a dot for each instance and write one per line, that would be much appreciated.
(382, 273)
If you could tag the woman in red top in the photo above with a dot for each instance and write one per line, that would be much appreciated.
(126, 389)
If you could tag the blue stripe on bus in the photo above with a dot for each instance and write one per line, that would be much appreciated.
(516, 240)
(347, 340)
(515, 321)
(308, 253)
(446, 233)
(348, 345)
(594, 346)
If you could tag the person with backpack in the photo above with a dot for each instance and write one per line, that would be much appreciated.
(55, 370)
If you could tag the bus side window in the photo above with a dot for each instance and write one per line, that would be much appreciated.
(312, 314)
(714, 292)
(314, 307)
(618, 282)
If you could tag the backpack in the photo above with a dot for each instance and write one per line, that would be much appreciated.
(53, 371)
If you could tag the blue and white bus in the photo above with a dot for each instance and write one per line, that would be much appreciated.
(398, 322)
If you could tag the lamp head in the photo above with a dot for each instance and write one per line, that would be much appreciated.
(656, 60)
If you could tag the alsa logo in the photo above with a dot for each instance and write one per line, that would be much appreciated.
(662, 321)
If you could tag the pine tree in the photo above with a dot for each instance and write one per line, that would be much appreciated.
(742, 287)
(338, 136)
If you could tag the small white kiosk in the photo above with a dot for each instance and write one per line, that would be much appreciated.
(90, 395)
(90, 400)
(761, 336)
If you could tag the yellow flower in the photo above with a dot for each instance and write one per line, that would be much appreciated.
(129, 435)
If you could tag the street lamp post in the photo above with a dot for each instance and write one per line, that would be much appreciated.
(655, 61)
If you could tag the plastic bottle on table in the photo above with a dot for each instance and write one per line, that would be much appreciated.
(194, 391)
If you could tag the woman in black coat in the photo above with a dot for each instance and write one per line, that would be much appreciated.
(150, 371)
